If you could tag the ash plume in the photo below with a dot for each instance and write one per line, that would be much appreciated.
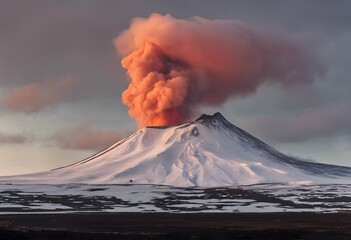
(178, 65)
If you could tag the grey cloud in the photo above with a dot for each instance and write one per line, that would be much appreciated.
(35, 97)
(85, 137)
(47, 39)
(11, 138)
(310, 124)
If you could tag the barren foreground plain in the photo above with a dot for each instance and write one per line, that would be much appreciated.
(255, 226)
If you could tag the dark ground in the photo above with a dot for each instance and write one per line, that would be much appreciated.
(248, 226)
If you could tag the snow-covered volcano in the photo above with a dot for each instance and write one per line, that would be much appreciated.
(207, 152)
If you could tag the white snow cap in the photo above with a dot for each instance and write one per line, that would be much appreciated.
(208, 152)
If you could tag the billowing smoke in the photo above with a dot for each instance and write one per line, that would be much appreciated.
(177, 66)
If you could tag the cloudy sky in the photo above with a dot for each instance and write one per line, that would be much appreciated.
(61, 79)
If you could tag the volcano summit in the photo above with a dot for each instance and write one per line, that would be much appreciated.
(207, 152)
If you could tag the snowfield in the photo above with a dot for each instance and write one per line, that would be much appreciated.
(278, 197)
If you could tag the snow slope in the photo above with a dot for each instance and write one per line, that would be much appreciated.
(207, 152)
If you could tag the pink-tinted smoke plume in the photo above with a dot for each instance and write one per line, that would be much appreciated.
(176, 65)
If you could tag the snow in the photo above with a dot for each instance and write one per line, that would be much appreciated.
(206, 153)
(65, 198)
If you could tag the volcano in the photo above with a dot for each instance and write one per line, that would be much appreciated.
(208, 152)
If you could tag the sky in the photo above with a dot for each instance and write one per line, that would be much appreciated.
(61, 78)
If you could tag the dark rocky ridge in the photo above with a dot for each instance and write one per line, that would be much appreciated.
(217, 120)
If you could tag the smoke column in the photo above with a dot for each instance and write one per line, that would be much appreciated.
(177, 66)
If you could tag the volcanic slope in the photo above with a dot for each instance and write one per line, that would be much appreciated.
(206, 153)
